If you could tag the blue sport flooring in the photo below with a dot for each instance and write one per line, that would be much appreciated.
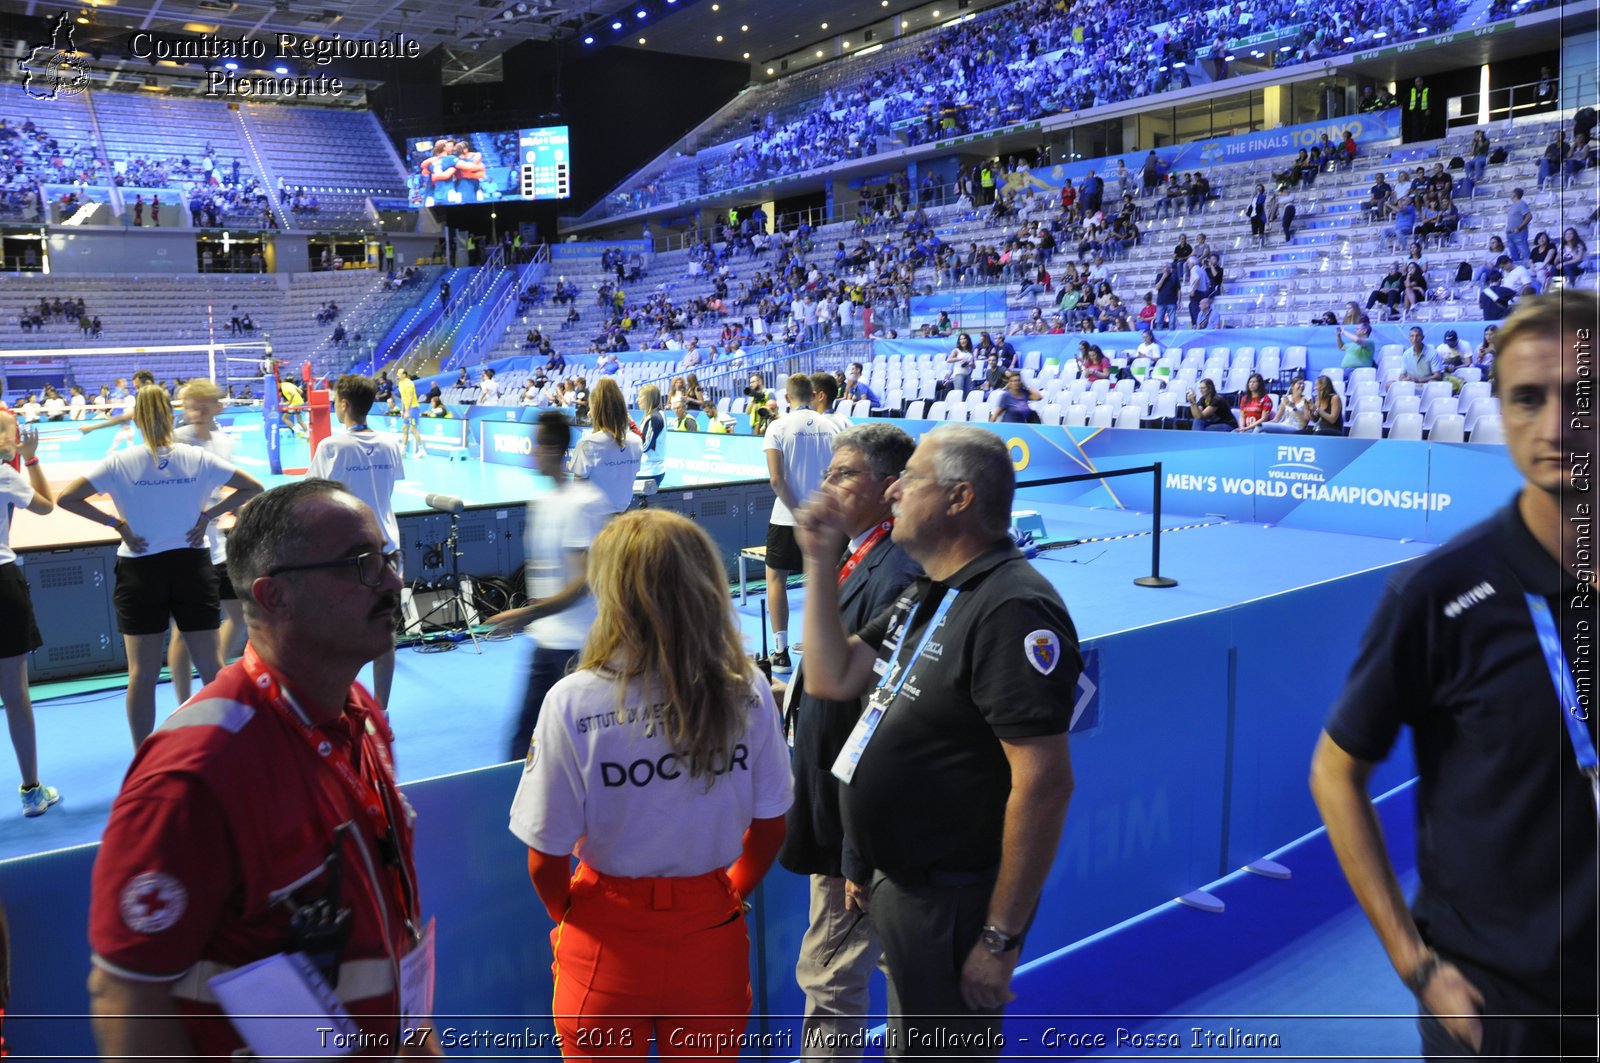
(1332, 964)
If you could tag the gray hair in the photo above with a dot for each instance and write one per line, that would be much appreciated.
(976, 456)
(885, 447)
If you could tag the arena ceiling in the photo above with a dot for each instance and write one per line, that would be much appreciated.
(476, 32)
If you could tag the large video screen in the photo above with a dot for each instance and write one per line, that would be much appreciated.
(516, 164)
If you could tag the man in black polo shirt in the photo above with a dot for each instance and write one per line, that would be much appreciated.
(958, 776)
(839, 950)
(1501, 937)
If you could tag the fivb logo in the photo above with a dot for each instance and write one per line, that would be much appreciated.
(1303, 456)
(1297, 461)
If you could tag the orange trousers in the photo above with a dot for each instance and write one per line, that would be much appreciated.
(638, 959)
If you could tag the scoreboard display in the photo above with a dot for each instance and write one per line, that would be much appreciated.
(505, 166)
(543, 156)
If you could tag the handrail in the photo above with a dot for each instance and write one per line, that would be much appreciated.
(435, 341)
(493, 324)
(1510, 102)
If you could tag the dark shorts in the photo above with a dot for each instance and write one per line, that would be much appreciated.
(18, 632)
(225, 591)
(783, 552)
(175, 585)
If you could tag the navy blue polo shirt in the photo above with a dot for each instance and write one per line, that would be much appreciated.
(930, 791)
(1505, 821)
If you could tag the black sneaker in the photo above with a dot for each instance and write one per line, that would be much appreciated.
(781, 665)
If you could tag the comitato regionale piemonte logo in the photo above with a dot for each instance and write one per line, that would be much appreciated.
(54, 70)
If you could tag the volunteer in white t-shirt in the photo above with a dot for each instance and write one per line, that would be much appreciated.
(164, 571)
(659, 764)
(202, 401)
(368, 465)
(19, 635)
(609, 454)
(562, 524)
(799, 446)
(652, 464)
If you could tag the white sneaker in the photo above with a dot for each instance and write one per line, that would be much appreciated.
(38, 798)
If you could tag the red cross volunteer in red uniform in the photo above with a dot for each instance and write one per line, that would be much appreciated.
(262, 822)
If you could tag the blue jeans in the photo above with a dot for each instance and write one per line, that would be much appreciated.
(544, 671)
(1517, 246)
(1476, 165)
(1166, 315)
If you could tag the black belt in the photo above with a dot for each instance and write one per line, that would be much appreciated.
(942, 879)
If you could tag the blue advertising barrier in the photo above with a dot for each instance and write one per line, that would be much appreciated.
(1198, 154)
(1322, 350)
(980, 308)
(1391, 489)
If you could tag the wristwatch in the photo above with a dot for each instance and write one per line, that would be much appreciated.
(998, 941)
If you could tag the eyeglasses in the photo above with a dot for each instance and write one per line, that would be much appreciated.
(842, 474)
(370, 567)
(908, 476)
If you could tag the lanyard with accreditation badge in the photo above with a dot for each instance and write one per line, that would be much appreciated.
(863, 550)
(369, 796)
(1555, 658)
(893, 677)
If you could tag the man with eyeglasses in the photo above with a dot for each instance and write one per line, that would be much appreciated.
(261, 823)
(368, 465)
(957, 777)
(839, 949)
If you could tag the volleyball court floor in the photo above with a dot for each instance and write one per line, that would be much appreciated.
(1331, 965)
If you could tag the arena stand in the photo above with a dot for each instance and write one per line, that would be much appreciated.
(293, 144)
(250, 160)
(1042, 65)
(1338, 254)
(164, 310)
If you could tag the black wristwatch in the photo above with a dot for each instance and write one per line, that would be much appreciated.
(1422, 973)
(999, 942)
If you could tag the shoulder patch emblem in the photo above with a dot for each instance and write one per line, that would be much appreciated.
(153, 901)
(533, 754)
(1043, 650)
